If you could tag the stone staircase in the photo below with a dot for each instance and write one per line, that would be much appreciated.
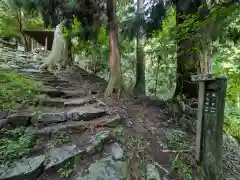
(63, 110)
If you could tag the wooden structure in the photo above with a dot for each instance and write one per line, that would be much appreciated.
(43, 37)
(212, 92)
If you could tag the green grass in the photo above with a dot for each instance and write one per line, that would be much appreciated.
(16, 91)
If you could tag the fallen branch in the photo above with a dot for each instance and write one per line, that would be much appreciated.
(158, 165)
(176, 151)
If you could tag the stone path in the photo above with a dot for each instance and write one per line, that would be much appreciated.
(63, 108)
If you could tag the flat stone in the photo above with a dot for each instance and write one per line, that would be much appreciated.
(54, 81)
(27, 169)
(19, 120)
(5, 66)
(52, 84)
(58, 127)
(71, 126)
(117, 151)
(31, 70)
(60, 102)
(85, 113)
(79, 101)
(152, 172)
(106, 169)
(96, 141)
(55, 117)
(22, 55)
(57, 156)
(29, 66)
(52, 102)
(72, 93)
(54, 92)
(112, 120)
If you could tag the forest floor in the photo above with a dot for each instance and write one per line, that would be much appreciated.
(143, 143)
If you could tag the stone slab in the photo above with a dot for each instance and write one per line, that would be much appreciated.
(57, 156)
(27, 169)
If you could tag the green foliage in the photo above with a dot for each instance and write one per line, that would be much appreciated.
(16, 91)
(95, 51)
(161, 55)
(226, 61)
(232, 122)
(15, 144)
(184, 170)
(66, 170)
(14, 18)
(68, 167)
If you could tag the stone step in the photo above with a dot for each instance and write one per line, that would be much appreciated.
(57, 156)
(54, 81)
(27, 169)
(55, 84)
(31, 168)
(59, 102)
(58, 92)
(33, 71)
(79, 101)
(88, 144)
(108, 169)
(85, 113)
(48, 118)
(72, 126)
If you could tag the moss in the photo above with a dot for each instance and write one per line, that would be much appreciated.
(16, 91)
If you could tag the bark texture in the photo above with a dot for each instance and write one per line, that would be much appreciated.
(114, 55)
(139, 88)
(188, 57)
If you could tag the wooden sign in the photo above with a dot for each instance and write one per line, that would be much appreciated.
(212, 92)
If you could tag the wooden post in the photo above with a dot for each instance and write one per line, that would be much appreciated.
(199, 119)
(32, 42)
(210, 126)
(46, 43)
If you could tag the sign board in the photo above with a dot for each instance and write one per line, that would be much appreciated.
(212, 92)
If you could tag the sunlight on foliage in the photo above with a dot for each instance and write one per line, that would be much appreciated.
(161, 63)
(16, 91)
(226, 62)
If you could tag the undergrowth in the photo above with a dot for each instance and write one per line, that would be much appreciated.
(176, 140)
(16, 91)
(232, 123)
(15, 144)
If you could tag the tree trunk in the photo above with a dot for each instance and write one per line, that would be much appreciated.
(20, 22)
(69, 49)
(139, 88)
(187, 56)
(114, 55)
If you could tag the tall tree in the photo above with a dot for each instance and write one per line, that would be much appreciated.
(114, 55)
(187, 53)
(194, 40)
(139, 88)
